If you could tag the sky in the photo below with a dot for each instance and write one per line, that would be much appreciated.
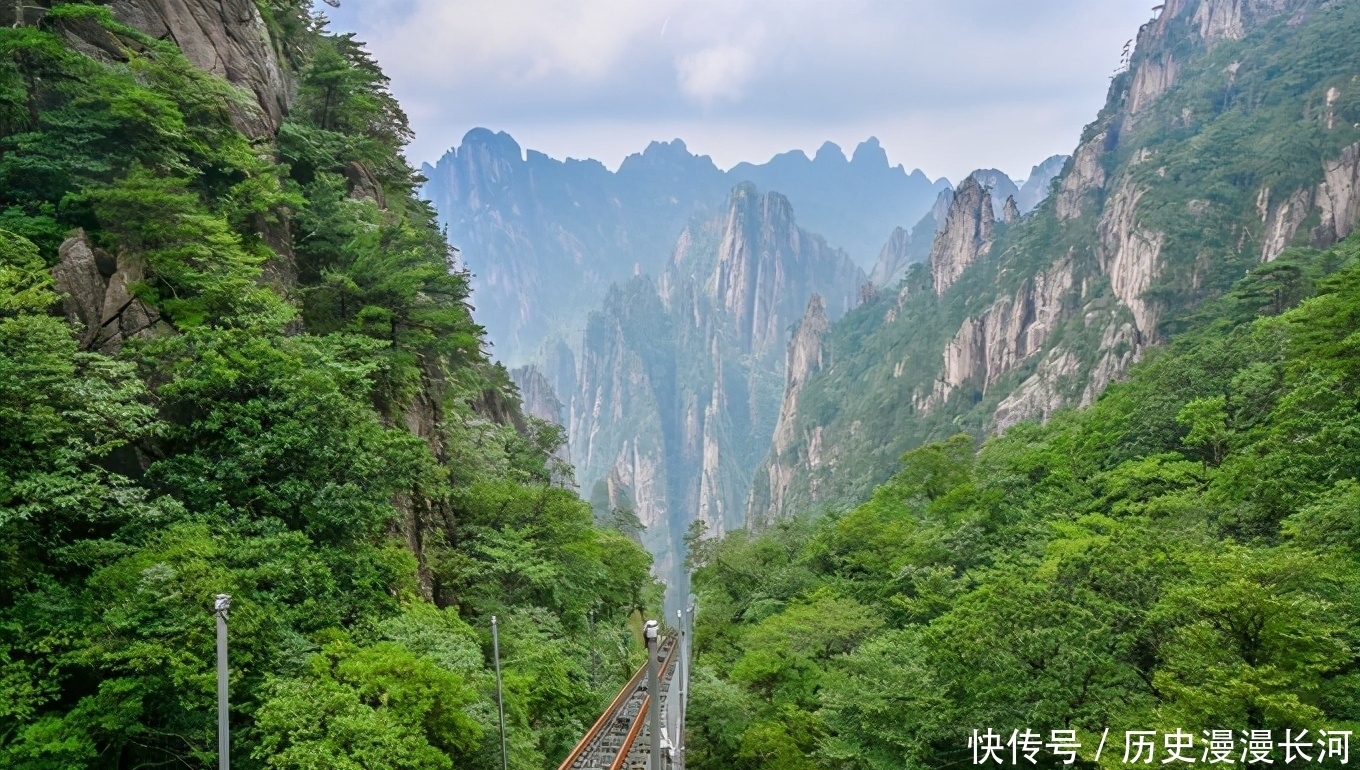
(946, 85)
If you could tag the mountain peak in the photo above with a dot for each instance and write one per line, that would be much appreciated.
(830, 152)
(499, 142)
(673, 154)
(870, 152)
(675, 148)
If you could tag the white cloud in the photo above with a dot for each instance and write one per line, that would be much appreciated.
(938, 81)
(718, 73)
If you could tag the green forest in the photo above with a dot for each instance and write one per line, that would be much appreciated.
(297, 410)
(1185, 554)
(238, 356)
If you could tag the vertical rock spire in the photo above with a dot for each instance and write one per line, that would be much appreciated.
(966, 235)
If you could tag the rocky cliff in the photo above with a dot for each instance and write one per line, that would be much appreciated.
(1035, 188)
(766, 266)
(908, 247)
(227, 38)
(965, 236)
(806, 356)
(678, 383)
(1231, 138)
(893, 259)
(544, 238)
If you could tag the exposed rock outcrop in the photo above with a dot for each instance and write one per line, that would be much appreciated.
(1040, 180)
(1121, 346)
(1339, 194)
(1151, 80)
(966, 235)
(97, 294)
(1010, 210)
(893, 259)
(1231, 19)
(1085, 175)
(767, 267)
(1282, 220)
(536, 394)
(998, 184)
(227, 38)
(806, 356)
(1015, 327)
(1042, 394)
(1130, 254)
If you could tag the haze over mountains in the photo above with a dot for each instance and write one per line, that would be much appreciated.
(545, 238)
(648, 310)
(976, 308)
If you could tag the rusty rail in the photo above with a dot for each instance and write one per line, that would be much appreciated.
(615, 722)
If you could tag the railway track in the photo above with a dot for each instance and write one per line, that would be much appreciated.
(618, 739)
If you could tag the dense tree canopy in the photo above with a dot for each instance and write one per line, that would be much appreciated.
(306, 420)
(1184, 554)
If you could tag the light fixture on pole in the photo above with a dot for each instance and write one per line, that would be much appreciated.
(500, 697)
(220, 607)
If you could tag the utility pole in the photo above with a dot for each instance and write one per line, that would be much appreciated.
(220, 607)
(500, 696)
(649, 633)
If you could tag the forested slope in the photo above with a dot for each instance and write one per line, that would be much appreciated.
(1184, 554)
(1234, 133)
(236, 357)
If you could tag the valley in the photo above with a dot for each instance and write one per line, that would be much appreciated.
(446, 454)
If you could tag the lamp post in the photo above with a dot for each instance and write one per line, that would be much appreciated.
(649, 633)
(500, 696)
(221, 607)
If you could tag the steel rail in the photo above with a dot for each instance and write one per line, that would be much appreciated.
(613, 712)
(633, 732)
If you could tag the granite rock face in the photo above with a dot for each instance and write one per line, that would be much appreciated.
(1016, 326)
(965, 237)
(97, 294)
(227, 38)
(893, 259)
(678, 384)
(1010, 210)
(1339, 194)
(1036, 186)
(767, 266)
(1040, 311)
(806, 356)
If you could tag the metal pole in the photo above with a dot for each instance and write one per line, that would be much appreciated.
(649, 632)
(681, 672)
(689, 665)
(221, 606)
(500, 697)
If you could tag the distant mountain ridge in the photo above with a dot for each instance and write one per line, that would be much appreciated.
(544, 238)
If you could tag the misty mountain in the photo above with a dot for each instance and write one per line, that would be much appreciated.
(544, 238)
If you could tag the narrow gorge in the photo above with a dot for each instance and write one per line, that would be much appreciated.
(673, 392)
